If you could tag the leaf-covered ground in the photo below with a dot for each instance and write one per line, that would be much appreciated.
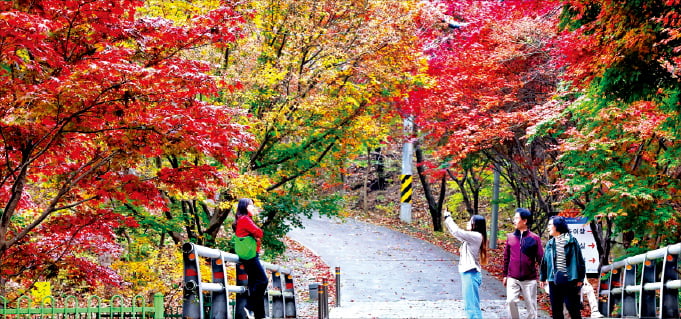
(311, 269)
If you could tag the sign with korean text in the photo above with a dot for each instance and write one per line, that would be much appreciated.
(580, 229)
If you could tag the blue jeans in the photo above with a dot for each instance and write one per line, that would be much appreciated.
(470, 286)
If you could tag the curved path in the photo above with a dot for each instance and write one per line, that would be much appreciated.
(386, 274)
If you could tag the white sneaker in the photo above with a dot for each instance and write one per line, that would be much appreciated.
(596, 314)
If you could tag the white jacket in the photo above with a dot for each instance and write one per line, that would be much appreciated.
(470, 246)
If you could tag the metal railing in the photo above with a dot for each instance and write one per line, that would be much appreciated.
(279, 299)
(642, 286)
(70, 307)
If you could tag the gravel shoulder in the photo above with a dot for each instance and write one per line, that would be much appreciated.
(308, 268)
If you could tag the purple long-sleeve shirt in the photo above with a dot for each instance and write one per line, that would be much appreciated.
(522, 254)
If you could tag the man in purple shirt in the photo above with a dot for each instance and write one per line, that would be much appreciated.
(522, 254)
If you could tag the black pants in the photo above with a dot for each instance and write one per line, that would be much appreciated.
(570, 295)
(257, 285)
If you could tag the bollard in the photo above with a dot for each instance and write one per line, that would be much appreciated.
(320, 302)
(325, 283)
(338, 294)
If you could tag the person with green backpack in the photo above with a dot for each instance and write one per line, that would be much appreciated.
(247, 246)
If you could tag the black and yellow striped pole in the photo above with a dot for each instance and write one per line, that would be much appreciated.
(405, 189)
(406, 177)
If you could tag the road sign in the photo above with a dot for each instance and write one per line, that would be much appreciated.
(579, 227)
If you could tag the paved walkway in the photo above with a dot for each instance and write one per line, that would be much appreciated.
(386, 274)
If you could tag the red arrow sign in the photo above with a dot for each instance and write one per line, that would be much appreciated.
(592, 245)
(592, 260)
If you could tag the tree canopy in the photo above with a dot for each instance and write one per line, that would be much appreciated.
(621, 149)
(89, 93)
(129, 124)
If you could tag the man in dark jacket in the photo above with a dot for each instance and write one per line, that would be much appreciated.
(522, 253)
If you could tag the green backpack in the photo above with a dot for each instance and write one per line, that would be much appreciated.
(245, 247)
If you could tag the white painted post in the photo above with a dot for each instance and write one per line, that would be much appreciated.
(406, 177)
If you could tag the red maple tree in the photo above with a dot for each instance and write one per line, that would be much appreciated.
(90, 94)
(491, 72)
(488, 70)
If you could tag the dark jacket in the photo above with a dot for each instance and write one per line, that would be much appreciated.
(522, 254)
(576, 268)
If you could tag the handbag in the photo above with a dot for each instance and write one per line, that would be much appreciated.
(561, 278)
(245, 247)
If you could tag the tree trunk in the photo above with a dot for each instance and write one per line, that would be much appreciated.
(434, 207)
(470, 208)
(379, 165)
(9, 210)
(436, 216)
(218, 217)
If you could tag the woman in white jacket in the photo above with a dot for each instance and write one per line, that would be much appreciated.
(473, 253)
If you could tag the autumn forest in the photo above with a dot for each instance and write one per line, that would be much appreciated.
(129, 127)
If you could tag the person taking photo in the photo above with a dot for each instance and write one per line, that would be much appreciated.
(473, 253)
